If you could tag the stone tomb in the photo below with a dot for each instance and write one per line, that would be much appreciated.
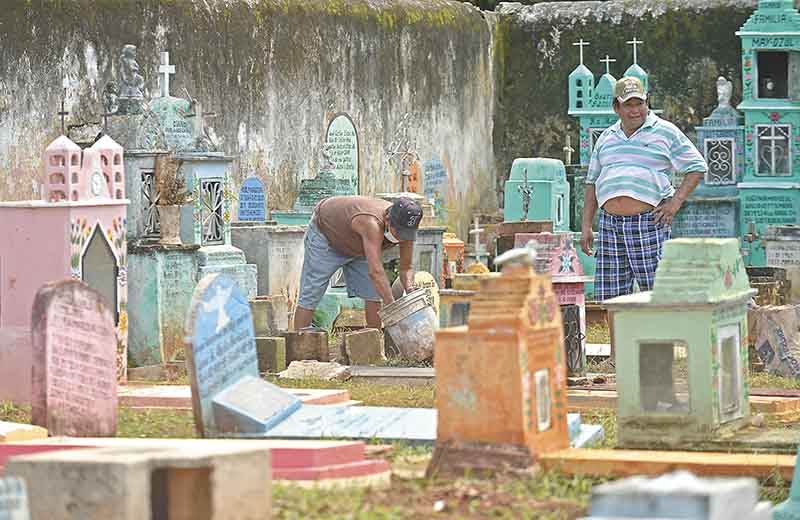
(682, 377)
(198, 481)
(559, 257)
(547, 195)
(14, 499)
(515, 329)
(223, 366)
(678, 495)
(252, 201)
(74, 390)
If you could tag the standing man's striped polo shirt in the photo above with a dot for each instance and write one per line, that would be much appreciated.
(641, 166)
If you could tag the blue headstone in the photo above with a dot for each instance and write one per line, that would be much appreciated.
(221, 345)
(251, 406)
(435, 185)
(14, 499)
(252, 201)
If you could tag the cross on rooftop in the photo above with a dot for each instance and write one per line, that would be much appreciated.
(165, 69)
(634, 42)
(476, 232)
(608, 61)
(581, 44)
(64, 113)
(526, 192)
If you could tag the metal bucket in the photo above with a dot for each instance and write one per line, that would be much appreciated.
(411, 322)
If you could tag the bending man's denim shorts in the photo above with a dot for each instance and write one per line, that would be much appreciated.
(321, 262)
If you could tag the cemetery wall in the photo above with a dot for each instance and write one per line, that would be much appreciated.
(274, 72)
(687, 45)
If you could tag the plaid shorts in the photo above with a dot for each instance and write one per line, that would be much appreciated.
(628, 249)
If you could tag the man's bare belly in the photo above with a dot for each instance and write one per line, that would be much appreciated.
(626, 206)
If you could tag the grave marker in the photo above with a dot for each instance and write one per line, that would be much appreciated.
(342, 138)
(435, 186)
(14, 499)
(74, 361)
(228, 396)
(252, 201)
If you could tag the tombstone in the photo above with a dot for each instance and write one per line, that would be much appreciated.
(252, 406)
(221, 358)
(770, 100)
(14, 499)
(515, 328)
(342, 138)
(252, 201)
(138, 482)
(695, 320)
(34, 248)
(74, 383)
(678, 495)
(537, 189)
(436, 187)
(159, 299)
(558, 256)
(782, 245)
(713, 208)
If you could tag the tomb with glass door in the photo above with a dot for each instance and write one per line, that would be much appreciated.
(681, 356)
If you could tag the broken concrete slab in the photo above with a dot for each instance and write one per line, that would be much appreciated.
(180, 396)
(212, 482)
(271, 352)
(312, 369)
(16, 432)
(364, 347)
(252, 405)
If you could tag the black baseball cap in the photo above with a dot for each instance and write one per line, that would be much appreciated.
(405, 216)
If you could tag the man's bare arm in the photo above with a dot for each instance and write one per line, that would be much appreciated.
(665, 212)
(372, 239)
(589, 210)
(406, 258)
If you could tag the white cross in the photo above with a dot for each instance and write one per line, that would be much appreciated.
(581, 44)
(608, 61)
(568, 149)
(634, 42)
(217, 304)
(476, 232)
(165, 69)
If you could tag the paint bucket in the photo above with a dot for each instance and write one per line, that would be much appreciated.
(411, 322)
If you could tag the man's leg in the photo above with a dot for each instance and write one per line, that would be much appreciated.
(613, 276)
(359, 284)
(644, 243)
(320, 261)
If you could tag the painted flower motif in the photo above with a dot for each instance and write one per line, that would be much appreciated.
(748, 77)
(775, 116)
(749, 137)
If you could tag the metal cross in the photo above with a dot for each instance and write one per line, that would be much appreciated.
(568, 149)
(526, 192)
(581, 44)
(608, 61)
(165, 69)
(64, 113)
(634, 42)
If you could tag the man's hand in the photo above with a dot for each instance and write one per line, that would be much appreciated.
(666, 211)
(407, 279)
(587, 241)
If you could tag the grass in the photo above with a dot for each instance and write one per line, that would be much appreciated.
(597, 333)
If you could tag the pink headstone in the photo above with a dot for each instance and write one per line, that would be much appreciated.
(74, 390)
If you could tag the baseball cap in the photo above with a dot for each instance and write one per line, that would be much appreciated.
(629, 87)
(405, 216)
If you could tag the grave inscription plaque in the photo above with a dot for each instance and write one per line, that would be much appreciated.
(342, 139)
(74, 361)
(706, 219)
(220, 347)
(252, 201)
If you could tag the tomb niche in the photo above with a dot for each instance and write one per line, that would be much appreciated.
(486, 421)
(682, 356)
(769, 189)
(162, 276)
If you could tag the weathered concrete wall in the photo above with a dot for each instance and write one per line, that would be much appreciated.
(688, 44)
(272, 70)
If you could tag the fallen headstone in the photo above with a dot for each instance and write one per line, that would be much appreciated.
(205, 481)
(252, 405)
(14, 499)
(316, 370)
(74, 375)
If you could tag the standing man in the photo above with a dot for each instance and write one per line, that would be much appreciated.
(351, 233)
(629, 179)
